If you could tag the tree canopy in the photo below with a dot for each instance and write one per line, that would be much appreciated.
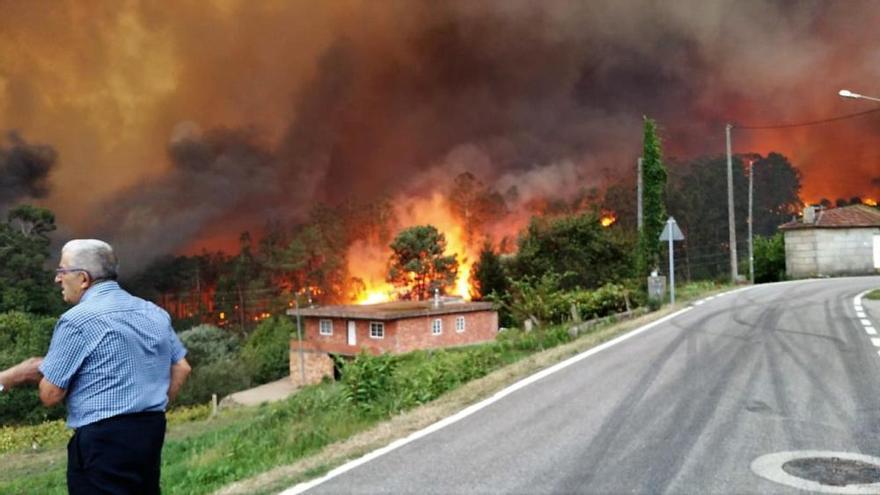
(417, 265)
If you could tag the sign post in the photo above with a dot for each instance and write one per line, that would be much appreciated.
(671, 233)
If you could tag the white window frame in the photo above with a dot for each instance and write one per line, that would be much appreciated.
(459, 324)
(437, 326)
(377, 325)
(328, 330)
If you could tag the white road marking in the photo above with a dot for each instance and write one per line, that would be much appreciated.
(861, 314)
(866, 322)
(876, 342)
(870, 330)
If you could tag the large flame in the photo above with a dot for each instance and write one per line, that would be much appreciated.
(607, 219)
(368, 261)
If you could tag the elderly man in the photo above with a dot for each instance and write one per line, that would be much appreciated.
(117, 362)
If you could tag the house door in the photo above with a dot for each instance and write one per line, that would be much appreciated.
(352, 333)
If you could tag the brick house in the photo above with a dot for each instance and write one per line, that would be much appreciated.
(394, 327)
(832, 242)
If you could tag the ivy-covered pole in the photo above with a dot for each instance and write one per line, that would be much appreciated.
(654, 185)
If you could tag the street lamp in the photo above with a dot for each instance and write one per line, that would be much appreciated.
(849, 94)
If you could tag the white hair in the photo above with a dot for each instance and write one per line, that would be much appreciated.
(94, 256)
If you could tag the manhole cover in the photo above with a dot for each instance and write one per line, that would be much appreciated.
(833, 471)
(821, 471)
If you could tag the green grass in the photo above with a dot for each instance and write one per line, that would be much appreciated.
(204, 454)
(873, 295)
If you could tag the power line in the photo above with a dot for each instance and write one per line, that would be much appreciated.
(809, 123)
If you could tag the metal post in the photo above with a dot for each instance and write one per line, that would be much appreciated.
(751, 245)
(640, 219)
(302, 362)
(671, 265)
(731, 224)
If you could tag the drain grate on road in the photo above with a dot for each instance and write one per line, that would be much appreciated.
(821, 471)
(833, 471)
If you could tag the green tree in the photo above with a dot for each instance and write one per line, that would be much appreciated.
(24, 335)
(487, 274)
(577, 248)
(417, 265)
(24, 253)
(266, 353)
(654, 208)
(777, 186)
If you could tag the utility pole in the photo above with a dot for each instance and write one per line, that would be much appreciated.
(302, 362)
(640, 219)
(751, 246)
(731, 225)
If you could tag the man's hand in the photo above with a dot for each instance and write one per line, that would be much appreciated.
(179, 372)
(27, 371)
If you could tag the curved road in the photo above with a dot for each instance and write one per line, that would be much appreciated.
(683, 407)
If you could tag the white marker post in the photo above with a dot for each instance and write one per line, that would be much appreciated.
(671, 233)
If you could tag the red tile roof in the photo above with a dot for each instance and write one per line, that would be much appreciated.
(844, 217)
(393, 310)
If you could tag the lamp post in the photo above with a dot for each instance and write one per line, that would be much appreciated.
(849, 94)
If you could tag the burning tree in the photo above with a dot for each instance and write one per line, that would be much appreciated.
(418, 266)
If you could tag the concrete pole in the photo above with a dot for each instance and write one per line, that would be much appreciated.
(731, 223)
(640, 218)
(671, 264)
(751, 245)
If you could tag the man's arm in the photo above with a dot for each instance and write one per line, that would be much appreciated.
(179, 372)
(51, 394)
(27, 371)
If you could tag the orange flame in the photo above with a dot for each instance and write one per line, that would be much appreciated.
(870, 202)
(368, 261)
(608, 219)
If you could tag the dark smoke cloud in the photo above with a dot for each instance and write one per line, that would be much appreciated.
(546, 97)
(24, 170)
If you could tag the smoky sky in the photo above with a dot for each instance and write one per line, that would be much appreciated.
(24, 170)
(251, 113)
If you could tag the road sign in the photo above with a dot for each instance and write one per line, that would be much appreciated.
(671, 229)
(671, 233)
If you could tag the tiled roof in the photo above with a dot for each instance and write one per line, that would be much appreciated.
(393, 310)
(839, 218)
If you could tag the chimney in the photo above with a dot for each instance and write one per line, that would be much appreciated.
(436, 298)
(810, 214)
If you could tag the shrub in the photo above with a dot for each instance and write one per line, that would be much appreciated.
(606, 300)
(266, 352)
(206, 344)
(368, 378)
(769, 258)
(221, 377)
(24, 335)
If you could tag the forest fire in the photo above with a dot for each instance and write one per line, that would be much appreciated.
(368, 261)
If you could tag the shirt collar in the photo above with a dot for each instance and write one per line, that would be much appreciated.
(101, 287)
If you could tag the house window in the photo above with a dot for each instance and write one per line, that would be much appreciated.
(437, 326)
(459, 324)
(377, 330)
(326, 327)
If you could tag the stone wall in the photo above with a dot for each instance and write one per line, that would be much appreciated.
(318, 364)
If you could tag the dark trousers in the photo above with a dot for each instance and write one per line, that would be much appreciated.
(118, 455)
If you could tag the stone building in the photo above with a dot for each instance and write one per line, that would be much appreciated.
(833, 242)
(394, 327)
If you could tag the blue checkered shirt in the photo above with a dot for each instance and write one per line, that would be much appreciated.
(112, 353)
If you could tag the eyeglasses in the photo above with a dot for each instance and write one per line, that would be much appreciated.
(62, 271)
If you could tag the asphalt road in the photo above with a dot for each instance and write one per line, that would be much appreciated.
(684, 407)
